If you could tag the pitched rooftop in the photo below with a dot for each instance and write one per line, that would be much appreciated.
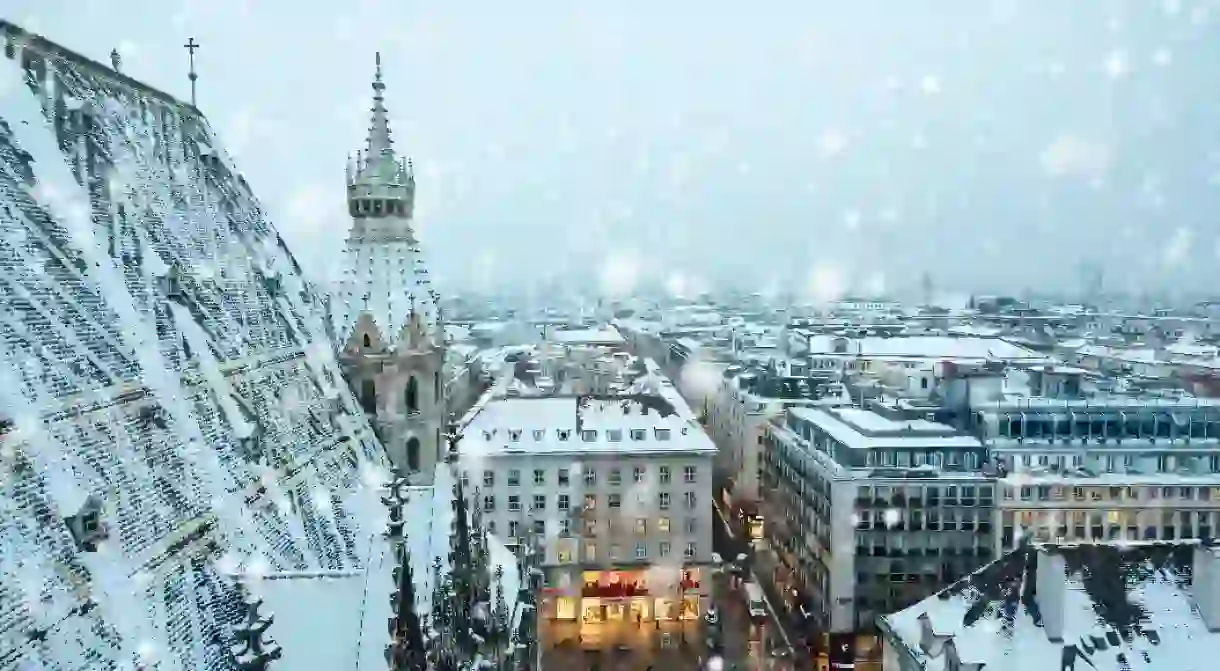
(1104, 607)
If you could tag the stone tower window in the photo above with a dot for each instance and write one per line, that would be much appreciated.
(412, 395)
(368, 396)
(413, 453)
(368, 342)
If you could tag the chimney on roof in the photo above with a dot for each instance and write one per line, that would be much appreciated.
(932, 643)
(1052, 591)
(1206, 587)
(116, 61)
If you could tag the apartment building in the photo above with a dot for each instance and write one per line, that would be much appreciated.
(737, 415)
(614, 490)
(1105, 469)
(871, 511)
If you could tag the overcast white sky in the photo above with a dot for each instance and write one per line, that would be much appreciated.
(994, 144)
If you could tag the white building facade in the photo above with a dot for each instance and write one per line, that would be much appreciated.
(614, 491)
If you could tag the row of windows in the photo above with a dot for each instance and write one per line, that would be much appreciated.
(946, 494)
(587, 435)
(1062, 493)
(1165, 463)
(914, 458)
(563, 502)
(1111, 425)
(377, 207)
(690, 525)
(563, 478)
(664, 549)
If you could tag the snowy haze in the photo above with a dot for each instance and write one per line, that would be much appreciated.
(995, 145)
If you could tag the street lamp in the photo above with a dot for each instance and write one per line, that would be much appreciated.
(715, 663)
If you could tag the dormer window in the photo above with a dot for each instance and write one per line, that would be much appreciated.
(86, 525)
(538, 433)
(614, 435)
(588, 436)
(486, 435)
(639, 434)
(514, 435)
(662, 434)
(564, 434)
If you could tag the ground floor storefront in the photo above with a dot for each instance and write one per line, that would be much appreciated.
(635, 595)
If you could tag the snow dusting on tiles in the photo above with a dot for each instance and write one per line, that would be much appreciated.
(171, 412)
(1105, 607)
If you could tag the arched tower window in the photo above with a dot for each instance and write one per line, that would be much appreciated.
(413, 453)
(368, 396)
(412, 395)
(368, 342)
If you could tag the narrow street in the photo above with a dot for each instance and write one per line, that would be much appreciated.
(750, 648)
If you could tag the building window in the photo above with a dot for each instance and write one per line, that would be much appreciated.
(539, 502)
(489, 503)
(616, 501)
(514, 477)
(563, 478)
(614, 435)
(489, 478)
(663, 524)
(637, 474)
(465, 479)
(615, 551)
(662, 434)
(688, 474)
(689, 552)
(514, 528)
(413, 453)
(564, 434)
(665, 475)
(590, 501)
(616, 477)
(639, 434)
(640, 551)
(368, 396)
(539, 476)
(590, 551)
(663, 500)
(368, 342)
(564, 502)
(540, 528)
(590, 477)
(564, 556)
(514, 504)
(412, 395)
(538, 433)
(690, 499)
(691, 524)
(664, 549)
(641, 525)
(565, 527)
(588, 435)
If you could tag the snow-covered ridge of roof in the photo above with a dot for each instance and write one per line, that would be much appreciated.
(163, 357)
(1098, 607)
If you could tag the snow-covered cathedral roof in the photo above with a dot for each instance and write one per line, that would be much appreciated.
(383, 274)
(170, 408)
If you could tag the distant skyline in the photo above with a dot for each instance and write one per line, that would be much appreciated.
(817, 148)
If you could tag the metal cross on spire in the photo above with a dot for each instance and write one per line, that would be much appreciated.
(191, 45)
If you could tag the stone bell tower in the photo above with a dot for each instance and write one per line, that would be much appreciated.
(386, 316)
